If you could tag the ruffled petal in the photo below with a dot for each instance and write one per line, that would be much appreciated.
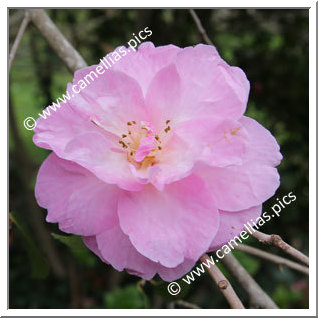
(74, 197)
(105, 105)
(115, 248)
(263, 147)
(232, 223)
(161, 224)
(143, 64)
(61, 126)
(97, 154)
(171, 274)
(163, 96)
(236, 188)
(174, 163)
(209, 85)
(216, 141)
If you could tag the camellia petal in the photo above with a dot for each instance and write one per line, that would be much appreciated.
(263, 147)
(232, 223)
(216, 141)
(240, 187)
(102, 159)
(154, 219)
(75, 198)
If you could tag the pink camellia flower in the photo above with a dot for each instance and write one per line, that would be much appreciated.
(153, 163)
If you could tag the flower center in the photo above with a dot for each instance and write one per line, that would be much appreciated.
(142, 143)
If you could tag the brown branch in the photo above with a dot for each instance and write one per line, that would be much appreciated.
(18, 38)
(258, 298)
(72, 59)
(223, 284)
(200, 27)
(184, 304)
(277, 241)
(273, 258)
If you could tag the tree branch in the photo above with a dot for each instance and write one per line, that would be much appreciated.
(72, 59)
(277, 241)
(184, 304)
(258, 298)
(200, 27)
(273, 258)
(18, 38)
(223, 284)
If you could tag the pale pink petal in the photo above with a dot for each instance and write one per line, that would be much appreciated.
(171, 274)
(163, 96)
(236, 188)
(116, 249)
(91, 243)
(105, 106)
(147, 144)
(113, 99)
(263, 147)
(231, 225)
(209, 85)
(162, 224)
(214, 140)
(61, 126)
(146, 62)
(74, 197)
(97, 154)
(174, 162)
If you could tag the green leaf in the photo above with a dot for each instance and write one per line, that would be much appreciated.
(127, 297)
(77, 247)
(39, 265)
(74, 242)
(284, 296)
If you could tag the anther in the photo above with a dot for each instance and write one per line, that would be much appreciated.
(167, 129)
(159, 148)
(134, 122)
(122, 143)
(129, 123)
(157, 137)
(167, 121)
(124, 136)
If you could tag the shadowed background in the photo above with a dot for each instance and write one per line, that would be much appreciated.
(271, 46)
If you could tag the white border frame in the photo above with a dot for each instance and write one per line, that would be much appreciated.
(312, 162)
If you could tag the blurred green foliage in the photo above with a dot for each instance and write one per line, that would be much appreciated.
(271, 46)
(77, 247)
(38, 263)
(128, 297)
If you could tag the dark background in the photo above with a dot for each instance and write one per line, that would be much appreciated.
(271, 46)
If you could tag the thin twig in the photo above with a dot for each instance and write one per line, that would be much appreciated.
(72, 59)
(18, 38)
(258, 298)
(273, 258)
(200, 27)
(223, 284)
(276, 240)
